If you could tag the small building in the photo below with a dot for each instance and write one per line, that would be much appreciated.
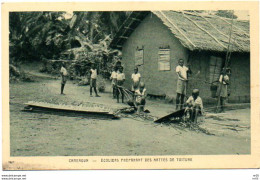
(156, 40)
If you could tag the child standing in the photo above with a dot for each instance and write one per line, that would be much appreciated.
(136, 78)
(113, 77)
(120, 81)
(64, 75)
(93, 80)
(140, 96)
(194, 105)
(223, 89)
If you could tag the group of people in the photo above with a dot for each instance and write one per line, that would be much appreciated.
(193, 105)
(138, 91)
(93, 79)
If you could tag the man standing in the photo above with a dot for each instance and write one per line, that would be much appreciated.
(120, 79)
(113, 77)
(181, 71)
(93, 80)
(64, 74)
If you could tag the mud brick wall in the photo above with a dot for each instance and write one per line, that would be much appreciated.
(151, 34)
(239, 80)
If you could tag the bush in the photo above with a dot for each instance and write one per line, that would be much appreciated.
(101, 84)
(17, 75)
(13, 71)
(169, 99)
(83, 82)
(26, 77)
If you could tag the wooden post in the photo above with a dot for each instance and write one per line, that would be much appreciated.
(228, 54)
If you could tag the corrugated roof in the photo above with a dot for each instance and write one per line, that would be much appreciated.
(194, 31)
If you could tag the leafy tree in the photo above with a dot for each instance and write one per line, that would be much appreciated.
(36, 35)
(94, 31)
(97, 25)
(44, 35)
(48, 35)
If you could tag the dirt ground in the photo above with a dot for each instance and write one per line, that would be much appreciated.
(41, 134)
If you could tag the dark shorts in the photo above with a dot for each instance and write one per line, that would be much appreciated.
(120, 83)
(135, 86)
(93, 82)
(63, 79)
(141, 102)
(113, 82)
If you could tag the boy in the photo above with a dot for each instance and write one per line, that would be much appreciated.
(64, 75)
(140, 95)
(120, 81)
(181, 71)
(113, 78)
(194, 106)
(223, 89)
(93, 80)
(136, 78)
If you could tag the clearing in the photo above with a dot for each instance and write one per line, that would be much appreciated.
(41, 134)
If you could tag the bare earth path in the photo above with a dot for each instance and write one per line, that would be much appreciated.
(34, 134)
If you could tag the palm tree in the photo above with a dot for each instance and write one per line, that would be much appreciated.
(36, 34)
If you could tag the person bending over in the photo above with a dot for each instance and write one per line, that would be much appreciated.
(140, 96)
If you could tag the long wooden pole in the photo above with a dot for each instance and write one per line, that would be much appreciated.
(225, 65)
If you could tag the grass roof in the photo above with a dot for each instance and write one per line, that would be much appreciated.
(203, 32)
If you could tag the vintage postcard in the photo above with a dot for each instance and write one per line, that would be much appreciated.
(130, 85)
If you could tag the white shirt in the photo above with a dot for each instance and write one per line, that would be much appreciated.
(114, 75)
(93, 73)
(138, 98)
(183, 71)
(138, 92)
(120, 76)
(136, 77)
(64, 71)
(226, 79)
(198, 101)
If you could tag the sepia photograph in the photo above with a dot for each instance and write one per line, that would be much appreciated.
(129, 84)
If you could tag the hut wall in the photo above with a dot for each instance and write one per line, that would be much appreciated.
(199, 62)
(239, 80)
(151, 34)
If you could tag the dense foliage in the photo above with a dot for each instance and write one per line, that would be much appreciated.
(85, 36)
(36, 35)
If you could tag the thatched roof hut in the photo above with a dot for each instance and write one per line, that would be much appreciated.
(155, 41)
(194, 31)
